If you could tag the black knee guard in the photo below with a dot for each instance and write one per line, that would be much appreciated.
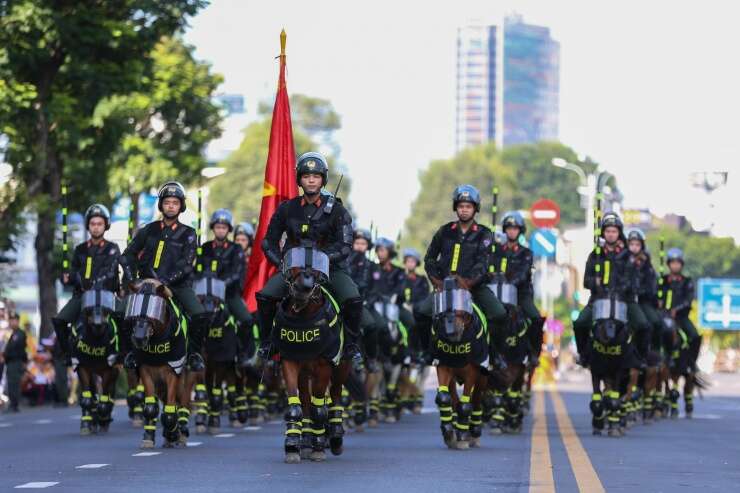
(335, 420)
(319, 412)
(151, 408)
(293, 424)
(183, 420)
(169, 423)
(674, 395)
(359, 413)
(216, 401)
(443, 399)
(87, 401)
(598, 411)
(105, 410)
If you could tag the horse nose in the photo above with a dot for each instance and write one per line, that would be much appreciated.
(307, 280)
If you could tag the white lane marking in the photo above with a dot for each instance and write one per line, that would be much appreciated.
(707, 416)
(37, 484)
(91, 466)
(6, 425)
(42, 422)
(194, 444)
(252, 428)
(145, 454)
(224, 435)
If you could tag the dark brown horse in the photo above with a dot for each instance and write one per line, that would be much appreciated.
(159, 338)
(309, 338)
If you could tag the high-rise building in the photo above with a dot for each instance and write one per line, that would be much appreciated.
(507, 84)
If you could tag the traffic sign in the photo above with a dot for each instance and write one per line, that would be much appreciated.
(719, 303)
(545, 213)
(542, 242)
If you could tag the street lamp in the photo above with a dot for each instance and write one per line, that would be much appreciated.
(212, 172)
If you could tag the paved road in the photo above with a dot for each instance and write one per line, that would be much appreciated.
(556, 452)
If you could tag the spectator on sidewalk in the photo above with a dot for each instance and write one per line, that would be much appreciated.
(15, 359)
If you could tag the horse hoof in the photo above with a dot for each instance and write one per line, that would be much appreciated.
(305, 453)
(147, 444)
(359, 429)
(390, 419)
(168, 444)
(475, 442)
(214, 431)
(416, 410)
(292, 458)
(372, 423)
(85, 432)
(336, 446)
(236, 424)
(462, 445)
(318, 456)
(596, 433)
(103, 429)
(200, 429)
(137, 423)
(496, 431)
(614, 433)
(689, 415)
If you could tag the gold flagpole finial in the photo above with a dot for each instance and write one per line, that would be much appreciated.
(283, 38)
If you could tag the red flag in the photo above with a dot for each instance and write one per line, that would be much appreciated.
(279, 184)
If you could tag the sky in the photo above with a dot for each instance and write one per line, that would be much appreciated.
(648, 89)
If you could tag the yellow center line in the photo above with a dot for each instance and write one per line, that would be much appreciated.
(540, 464)
(586, 477)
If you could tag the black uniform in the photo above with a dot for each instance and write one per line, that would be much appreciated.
(225, 260)
(167, 253)
(15, 362)
(415, 291)
(467, 255)
(678, 293)
(362, 271)
(327, 225)
(645, 289)
(613, 278)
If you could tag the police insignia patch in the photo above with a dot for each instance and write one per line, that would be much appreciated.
(486, 243)
(311, 164)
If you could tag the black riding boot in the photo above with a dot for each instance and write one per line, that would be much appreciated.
(196, 334)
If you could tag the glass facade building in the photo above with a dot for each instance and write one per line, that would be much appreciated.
(507, 84)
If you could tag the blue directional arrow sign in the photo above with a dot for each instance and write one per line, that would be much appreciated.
(719, 303)
(542, 242)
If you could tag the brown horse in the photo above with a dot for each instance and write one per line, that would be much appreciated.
(460, 349)
(94, 353)
(159, 338)
(309, 339)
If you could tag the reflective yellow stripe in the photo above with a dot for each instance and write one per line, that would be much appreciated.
(407, 294)
(150, 399)
(317, 401)
(214, 265)
(304, 228)
(170, 408)
(464, 398)
(158, 256)
(88, 267)
(455, 258)
(607, 268)
(669, 299)
(503, 265)
(292, 400)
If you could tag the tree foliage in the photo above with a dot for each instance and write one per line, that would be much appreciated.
(240, 188)
(522, 173)
(705, 256)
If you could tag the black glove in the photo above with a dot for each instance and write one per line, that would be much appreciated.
(265, 351)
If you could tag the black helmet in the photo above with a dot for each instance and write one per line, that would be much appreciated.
(611, 219)
(466, 193)
(636, 234)
(222, 216)
(363, 234)
(413, 253)
(387, 244)
(674, 254)
(514, 218)
(97, 210)
(312, 162)
(171, 189)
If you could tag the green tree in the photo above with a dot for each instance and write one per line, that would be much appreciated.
(165, 126)
(705, 256)
(522, 173)
(240, 188)
(58, 60)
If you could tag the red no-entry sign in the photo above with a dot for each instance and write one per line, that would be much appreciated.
(545, 213)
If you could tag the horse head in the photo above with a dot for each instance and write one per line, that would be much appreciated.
(147, 310)
(211, 292)
(305, 269)
(453, 311)
(610, 321)
(97, 305)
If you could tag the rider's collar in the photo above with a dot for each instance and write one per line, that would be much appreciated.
(675, 277)
(304, 202)
(387, 266)
(221, 243)
(511, 246)
(473, 225)
(163, 225)
(98, 243)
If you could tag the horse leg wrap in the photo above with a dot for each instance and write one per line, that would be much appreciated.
(183, 420)
(476, 423)
(374, 409)
(216, 405)
(674, 396)
(613, 408)
(647, 406)
(241, 407)
(105, 410)
(359, 413)
(231, 399)
(130, 402)
(138, 400)
(87, 405)
(272, 402)
(443, 399)
(293, 425)
(319, 417)
(150, 411)
(170, 430)
(688, 403)
(254, 406)
(598, 411)
(513, 403)
(462, 423)
(336, 428)
(345, 400)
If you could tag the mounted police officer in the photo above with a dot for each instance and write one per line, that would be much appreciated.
(317, 218)
(225, 260)
(94, 264)
(460, 249)
(677, 297)
(645, 288)
(363, 270)
(244, 237)
(608, 274)
(165, 250)
(514, 261)
(389, 280)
